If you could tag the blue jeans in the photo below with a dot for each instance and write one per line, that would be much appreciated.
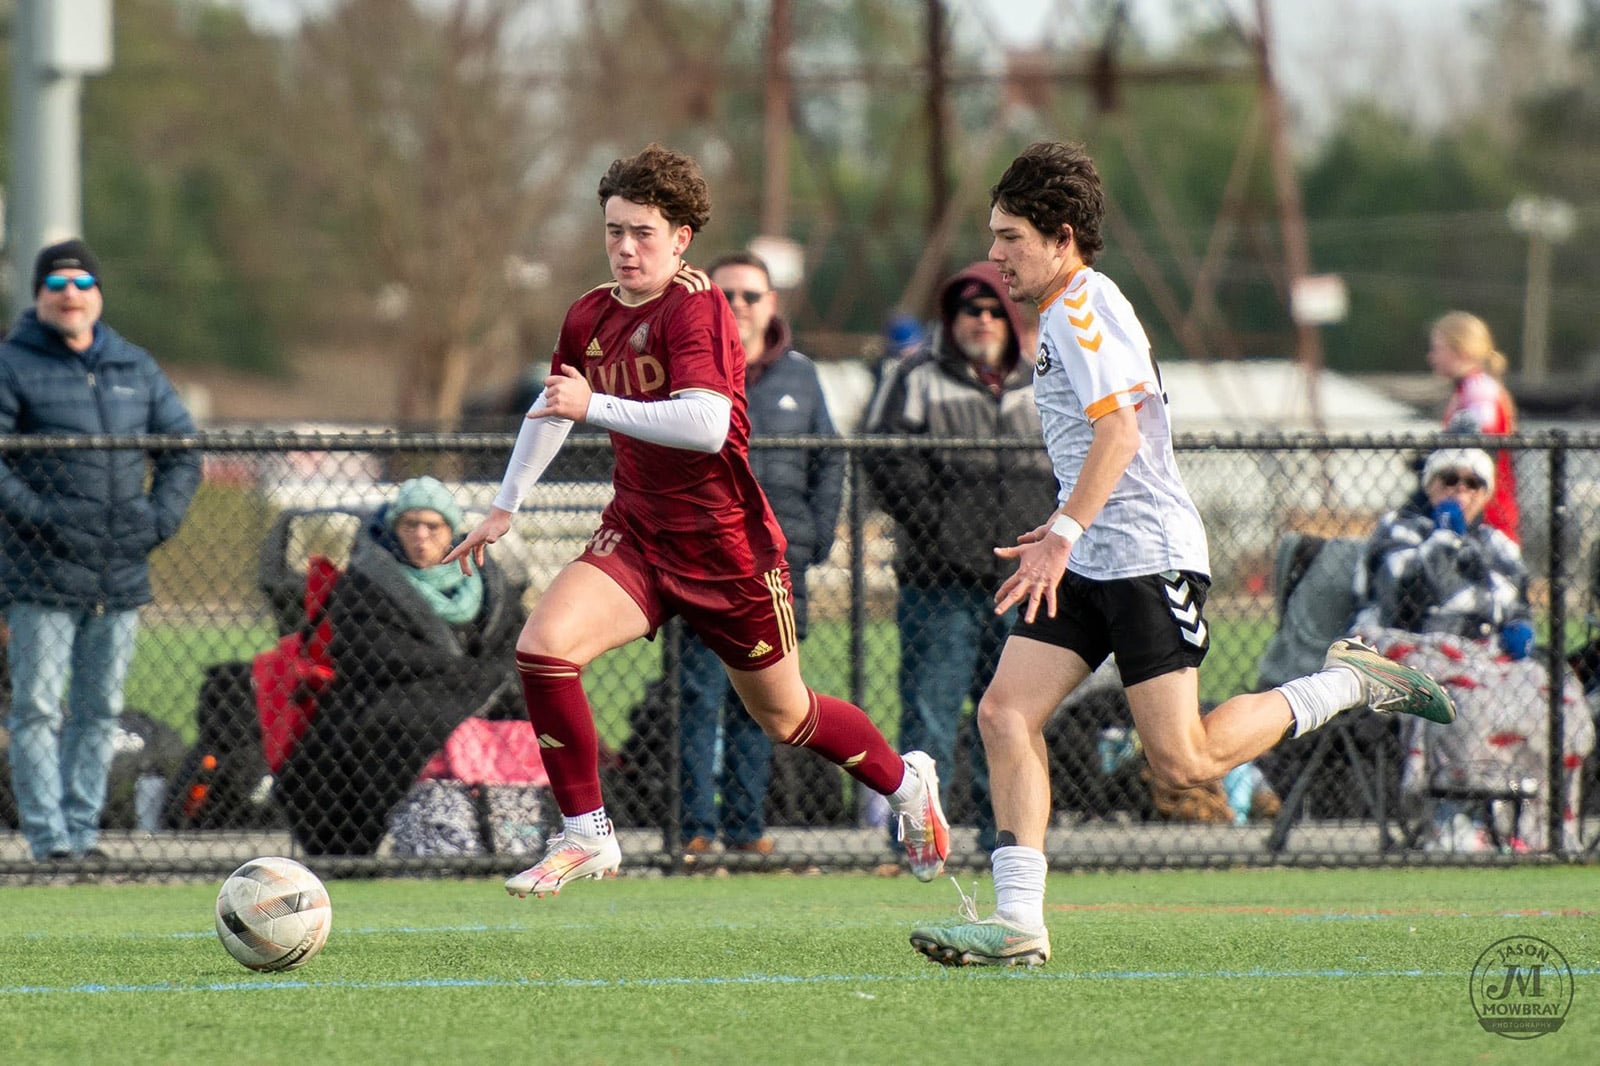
(708, 703)
(59, 767)
(950, 642)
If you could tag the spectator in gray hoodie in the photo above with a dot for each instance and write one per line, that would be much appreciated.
(952, 506)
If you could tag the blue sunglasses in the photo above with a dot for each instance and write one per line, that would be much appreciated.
(81, 282)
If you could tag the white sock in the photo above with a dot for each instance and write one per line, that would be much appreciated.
(910, 787)
(1318, 697)
(1019, 885)
(593, 824)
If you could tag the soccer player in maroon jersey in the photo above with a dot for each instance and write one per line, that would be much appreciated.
(654, 357)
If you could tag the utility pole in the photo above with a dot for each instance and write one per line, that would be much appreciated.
(938, 109)
(54, 45)
(1546, 222)
(1291, 212)
(775, 140)
(784, 257)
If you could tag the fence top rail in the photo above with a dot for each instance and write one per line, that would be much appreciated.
(396, 441)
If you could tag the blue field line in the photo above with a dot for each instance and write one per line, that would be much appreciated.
(547, 927)
(282, 984)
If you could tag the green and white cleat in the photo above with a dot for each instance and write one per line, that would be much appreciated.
(1389, 687)
(993, 941)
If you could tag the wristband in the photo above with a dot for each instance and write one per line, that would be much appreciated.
(1067, 528)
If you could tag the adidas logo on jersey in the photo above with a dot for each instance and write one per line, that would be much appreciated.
(548, 741)
(761, 648)
(593, 351)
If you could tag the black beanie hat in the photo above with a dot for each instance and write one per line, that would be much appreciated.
(68, 255)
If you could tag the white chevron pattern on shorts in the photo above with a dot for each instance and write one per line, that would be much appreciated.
(1180, 601)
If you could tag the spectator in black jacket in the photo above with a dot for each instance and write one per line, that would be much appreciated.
(76, 531)
(952, 506)
(804, 486)
(417, 648)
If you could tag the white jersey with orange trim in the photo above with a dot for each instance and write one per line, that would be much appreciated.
(1094, 358)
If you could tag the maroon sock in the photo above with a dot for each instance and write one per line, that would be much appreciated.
(553, 691)
(843, 734)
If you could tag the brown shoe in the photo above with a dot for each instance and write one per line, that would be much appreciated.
(1265, 804)
(1203, 803)
(697, 846)
(753, 847)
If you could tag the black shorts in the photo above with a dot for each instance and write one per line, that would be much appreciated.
(1154, 624)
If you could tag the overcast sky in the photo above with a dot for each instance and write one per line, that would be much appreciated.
(1421, 57)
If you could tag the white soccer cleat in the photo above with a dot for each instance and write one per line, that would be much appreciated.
(923, 830)
(568, 857)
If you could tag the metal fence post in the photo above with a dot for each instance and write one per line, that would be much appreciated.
(672, 787)
(1555, 804)
(858, 582)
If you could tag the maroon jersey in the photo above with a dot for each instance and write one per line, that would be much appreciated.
(692, 514)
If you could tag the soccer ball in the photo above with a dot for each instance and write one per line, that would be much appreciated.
(273, 914)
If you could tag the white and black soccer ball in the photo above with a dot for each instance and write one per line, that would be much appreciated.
(273, 914)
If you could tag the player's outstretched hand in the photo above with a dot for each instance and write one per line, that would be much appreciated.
(470, 551)
(1041, 560)
(566, 395)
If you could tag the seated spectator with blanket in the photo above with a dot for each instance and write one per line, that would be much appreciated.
(416, 648)
(1442, 591)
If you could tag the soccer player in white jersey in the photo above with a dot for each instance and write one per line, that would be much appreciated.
(1120, 568)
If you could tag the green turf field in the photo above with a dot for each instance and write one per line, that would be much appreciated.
(1252, 966)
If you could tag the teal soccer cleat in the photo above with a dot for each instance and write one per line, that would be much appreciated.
(992, 941)
(1390, 687)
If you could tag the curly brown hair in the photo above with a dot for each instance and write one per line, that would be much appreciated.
(1053, 185)
(664, 179)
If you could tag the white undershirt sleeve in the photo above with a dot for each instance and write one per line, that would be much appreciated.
(696, 419)
(538, 441)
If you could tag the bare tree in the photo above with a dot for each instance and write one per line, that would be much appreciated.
(421, 134)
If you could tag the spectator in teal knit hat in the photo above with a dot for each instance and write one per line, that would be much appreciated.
(425, 520)
(417, 648)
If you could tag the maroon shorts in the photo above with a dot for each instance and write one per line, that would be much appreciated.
(747, 621)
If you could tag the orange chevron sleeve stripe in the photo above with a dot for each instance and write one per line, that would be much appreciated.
(1091, 343)
(1123, 398)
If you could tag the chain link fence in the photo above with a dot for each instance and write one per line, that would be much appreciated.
(244, 734)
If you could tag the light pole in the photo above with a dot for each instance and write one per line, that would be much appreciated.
(1546, 222)
(54, 44)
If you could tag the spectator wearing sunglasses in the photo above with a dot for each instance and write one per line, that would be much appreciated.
(1443, 591)
(1435, 566)
(950, 507)
(804, 487)
(76, 531)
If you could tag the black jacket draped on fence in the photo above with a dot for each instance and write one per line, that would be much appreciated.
(404, 679)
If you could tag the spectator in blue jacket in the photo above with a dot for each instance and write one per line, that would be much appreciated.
(804, 487)
(76, 531)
